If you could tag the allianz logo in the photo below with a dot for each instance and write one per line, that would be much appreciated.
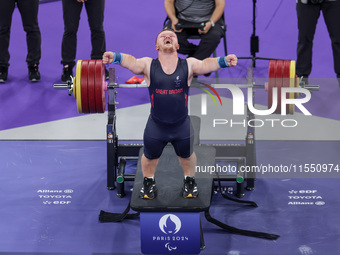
(319, 203)
(68, 191)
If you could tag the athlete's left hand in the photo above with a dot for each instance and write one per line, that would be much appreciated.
(231, 60)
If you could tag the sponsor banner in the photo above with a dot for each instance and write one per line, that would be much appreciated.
(55, 196)
(304, 197)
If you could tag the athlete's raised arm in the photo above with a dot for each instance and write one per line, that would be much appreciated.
(208, 65)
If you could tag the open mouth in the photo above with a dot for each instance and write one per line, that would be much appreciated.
(167, 42)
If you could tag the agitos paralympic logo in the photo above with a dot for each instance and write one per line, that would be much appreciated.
(239, 104)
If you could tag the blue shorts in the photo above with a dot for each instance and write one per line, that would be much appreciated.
(157, 135)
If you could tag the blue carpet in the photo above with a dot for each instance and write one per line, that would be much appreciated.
(52, 193)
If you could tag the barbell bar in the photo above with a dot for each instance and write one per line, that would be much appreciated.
(89, 85)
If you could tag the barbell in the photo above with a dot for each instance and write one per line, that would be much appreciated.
(89, 85)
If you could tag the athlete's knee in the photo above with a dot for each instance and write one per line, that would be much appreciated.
(150, 156)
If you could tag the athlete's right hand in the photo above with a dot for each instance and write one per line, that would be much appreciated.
(108, 57)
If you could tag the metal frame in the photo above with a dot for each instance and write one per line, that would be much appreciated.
(118, 153)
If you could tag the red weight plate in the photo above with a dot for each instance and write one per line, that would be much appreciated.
(100, 83)
(285, 80)
(278, 84)
(271, 81)
(83, 86)
(91, 86)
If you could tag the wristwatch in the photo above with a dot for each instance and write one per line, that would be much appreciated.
(212, 23)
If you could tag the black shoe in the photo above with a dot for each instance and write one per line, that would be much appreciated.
(190, 188)
(107, 76)
(67, 74)
(3, 73)
(149, 189)
(33, 73)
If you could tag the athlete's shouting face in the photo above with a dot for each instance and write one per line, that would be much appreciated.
(167, 41)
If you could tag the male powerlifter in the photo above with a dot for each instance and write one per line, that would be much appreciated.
(168, 78)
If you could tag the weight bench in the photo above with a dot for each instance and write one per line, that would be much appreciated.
(169, 181)
(170, 224)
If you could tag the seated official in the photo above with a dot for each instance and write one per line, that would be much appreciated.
(208, 12)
